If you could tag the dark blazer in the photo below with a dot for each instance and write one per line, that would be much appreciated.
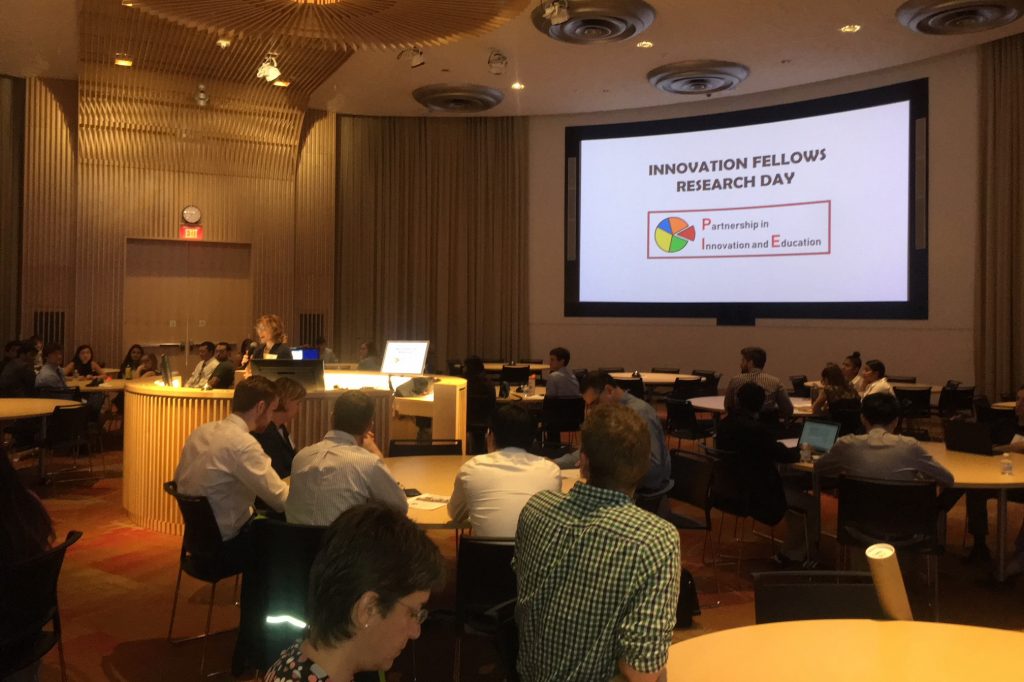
(278, 448)
(757, 452)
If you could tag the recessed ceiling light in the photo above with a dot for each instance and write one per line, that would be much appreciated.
(850, 28)
(518, 86)
(223, 42)
(282, 84)
(645, 44)
(127, 3)
(121, 59)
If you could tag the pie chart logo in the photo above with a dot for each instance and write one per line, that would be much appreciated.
(673, 234)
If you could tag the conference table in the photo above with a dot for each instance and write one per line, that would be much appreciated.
(1005, 405)
(12, 409)
(534, 400)
(435, 475)
(716, 405)
(970, 472)
(848, 651)
(495, 367)
(109, 386)
(655, 378)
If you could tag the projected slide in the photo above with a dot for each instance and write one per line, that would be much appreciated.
(813, 209)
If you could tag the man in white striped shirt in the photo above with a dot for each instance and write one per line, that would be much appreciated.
(342, 470)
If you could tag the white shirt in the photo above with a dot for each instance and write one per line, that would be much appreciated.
(330, 476)
(880, 386)
(491, 490)
(224, 463)
(202, 373)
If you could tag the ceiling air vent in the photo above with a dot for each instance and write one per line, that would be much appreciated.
(950, 17)
(458, 99)
(698, 77)
(596, 21)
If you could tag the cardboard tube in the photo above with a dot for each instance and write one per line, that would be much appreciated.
(885, 572)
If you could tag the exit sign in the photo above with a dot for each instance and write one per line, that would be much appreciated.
(192, 232)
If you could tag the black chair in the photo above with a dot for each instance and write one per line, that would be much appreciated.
(484, 580)
(67, 432)
(515, 375)
(665, 370)
(456, 368)
(815, 595)
(558, 415)
(901, 379)
(682, 422)
(692, 475)
(283, 555)
(846, 413)
(904, 514)
(581, 375)
(915, 404)
(411, 447)
(728, 493)
(800, 387)
(652, 499)
(479, 409)
(204, 556)
(955, 400)
(28, 603)
(685, 389)
(1003, 422)
(609, 370)
(711, 378)
(634, 385)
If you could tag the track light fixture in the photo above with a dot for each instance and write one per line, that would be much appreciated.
(497, 62)
(414, 55)
(556, 11)
(268, 70)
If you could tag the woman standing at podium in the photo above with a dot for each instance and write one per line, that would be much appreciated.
(271, 345)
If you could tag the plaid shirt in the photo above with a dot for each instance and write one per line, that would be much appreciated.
(775, 397)
(598, 582)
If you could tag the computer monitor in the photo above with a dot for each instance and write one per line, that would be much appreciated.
(820, 435)
(309, 373)
(305, 353)
(404, 357)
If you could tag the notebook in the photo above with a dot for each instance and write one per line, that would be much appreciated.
(968, 436)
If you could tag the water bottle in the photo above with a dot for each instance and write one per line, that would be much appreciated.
(1007, 465)
(128, 372)
(531, 385)
(805, 452)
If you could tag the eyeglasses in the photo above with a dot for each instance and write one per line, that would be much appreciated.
(419, 615)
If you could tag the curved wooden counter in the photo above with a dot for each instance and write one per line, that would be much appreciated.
(158, 420)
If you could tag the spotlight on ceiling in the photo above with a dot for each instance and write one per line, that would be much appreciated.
(556, 12)
(123, 59)
(414, 55)
(497, 62)
(223, 43)
(282, 84)
(202, 99)
(268, 70)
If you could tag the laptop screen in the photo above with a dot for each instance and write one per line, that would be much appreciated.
(819, 435)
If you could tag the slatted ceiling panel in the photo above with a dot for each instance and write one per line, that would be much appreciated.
(348, 24)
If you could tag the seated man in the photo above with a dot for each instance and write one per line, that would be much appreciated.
(776, 400)
(598, 578)
(759, 453)
(223, 373)
(51, 374)
(204, 368)
(18, 380)
(223, 462)
(561, 382)
(342, 470)
(601, 389)
(880, 453)
(490, 490)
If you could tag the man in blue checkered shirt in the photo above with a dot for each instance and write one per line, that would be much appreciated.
(598, 577)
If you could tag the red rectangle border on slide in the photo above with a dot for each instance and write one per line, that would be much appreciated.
(828, 202)
(191, 233)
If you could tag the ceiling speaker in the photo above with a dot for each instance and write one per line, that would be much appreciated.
(951, 17)
(458, 99)
(597, 21)
(697, 77)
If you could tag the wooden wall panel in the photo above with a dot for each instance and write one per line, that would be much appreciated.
(12, 133)
(314, 219)
(49, 218)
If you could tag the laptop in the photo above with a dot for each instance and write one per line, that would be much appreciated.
(820, 435)
(965, 436)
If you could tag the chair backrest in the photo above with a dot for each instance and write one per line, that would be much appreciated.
(684, 389)
(813, 595)
(916, 401)
(896, 379)
(800, 389)
(202, 536)
(405, 448)
(517, 375)
(847, 413)
(983, 411)
(279, 582)
(692, 474)
(581, 375)
(956, 399)
(711, 379)
(67, 427)
(479, 408)
(28, 593)
(729, 490)
(484, 576)
(901, 513)
(634, 385)
(665, 370)
(456, 368)
(609, 370)
(563, 414)
(680, 414)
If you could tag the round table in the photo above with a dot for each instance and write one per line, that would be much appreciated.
(535, 400)
(848, 651)
(495, 367)
(112, 386)
(716, 404)
(655, 378)
(23, 408)
(1005, 405)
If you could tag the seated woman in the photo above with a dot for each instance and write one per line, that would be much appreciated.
(149, 366)
(375, 571)
(83, 364)
(834, 387)
(873, 375)
(369, 361)
(131, 362)
(851, 371)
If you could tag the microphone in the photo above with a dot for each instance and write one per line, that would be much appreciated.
(252, 346)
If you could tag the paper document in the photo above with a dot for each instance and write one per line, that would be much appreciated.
(427, 502)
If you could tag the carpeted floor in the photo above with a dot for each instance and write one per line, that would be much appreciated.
(117, 584)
